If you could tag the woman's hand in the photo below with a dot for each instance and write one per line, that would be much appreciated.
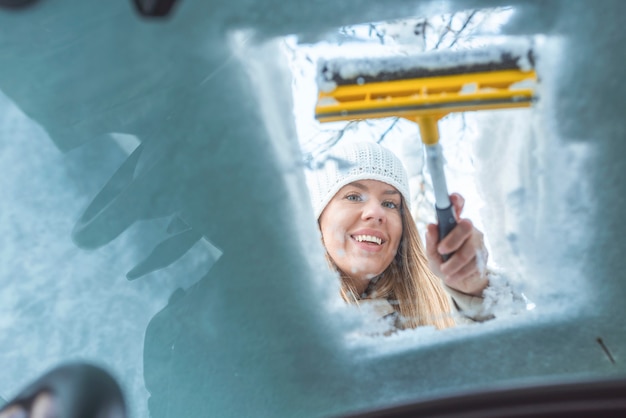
(465, 270)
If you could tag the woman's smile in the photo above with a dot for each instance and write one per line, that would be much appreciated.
(369, 239)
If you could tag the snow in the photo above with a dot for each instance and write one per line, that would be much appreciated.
(60, 302)
(258, 329)
(512, 54)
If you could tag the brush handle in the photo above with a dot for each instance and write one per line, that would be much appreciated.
(445, 223)
(445, 217)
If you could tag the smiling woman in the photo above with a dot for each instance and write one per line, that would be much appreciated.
(362, 226)
(360, 201)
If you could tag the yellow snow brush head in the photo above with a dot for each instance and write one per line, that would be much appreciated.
(426, 86)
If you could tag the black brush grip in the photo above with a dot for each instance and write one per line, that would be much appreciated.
(445, 223)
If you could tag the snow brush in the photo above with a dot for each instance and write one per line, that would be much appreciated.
(424, 88)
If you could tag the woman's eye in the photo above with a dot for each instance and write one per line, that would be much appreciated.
(390, 205)
(354, 197)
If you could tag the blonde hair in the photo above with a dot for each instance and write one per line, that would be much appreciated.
(408, 283)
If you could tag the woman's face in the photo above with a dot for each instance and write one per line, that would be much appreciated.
(362, 227)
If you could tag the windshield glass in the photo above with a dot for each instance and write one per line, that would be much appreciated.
(157, 214)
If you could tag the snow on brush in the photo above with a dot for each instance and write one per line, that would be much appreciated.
(512, 54)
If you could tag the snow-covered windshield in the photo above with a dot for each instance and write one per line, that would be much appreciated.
(156, 218)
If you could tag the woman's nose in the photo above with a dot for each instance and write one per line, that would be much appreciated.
(373, 210)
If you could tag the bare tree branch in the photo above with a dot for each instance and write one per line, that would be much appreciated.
(447, 29)
(389, 128)
(460, 31)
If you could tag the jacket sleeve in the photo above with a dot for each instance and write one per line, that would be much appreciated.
(468, 306)
(499, 299)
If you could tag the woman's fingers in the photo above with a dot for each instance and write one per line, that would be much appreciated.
(456, 238)
(458, 202)
(470, 278)
(465, 270)
(458, 278)
(462, 257)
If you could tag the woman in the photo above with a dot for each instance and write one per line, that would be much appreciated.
(360, 198)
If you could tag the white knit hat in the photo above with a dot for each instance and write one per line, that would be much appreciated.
(356, 161)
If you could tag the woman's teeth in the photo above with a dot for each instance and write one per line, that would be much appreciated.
(368, 238)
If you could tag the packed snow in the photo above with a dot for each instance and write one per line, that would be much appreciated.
(249, 322)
